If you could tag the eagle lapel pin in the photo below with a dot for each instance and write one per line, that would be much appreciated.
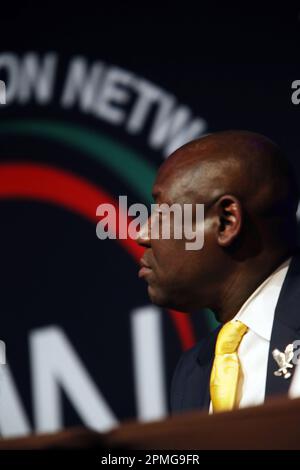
(283, 360)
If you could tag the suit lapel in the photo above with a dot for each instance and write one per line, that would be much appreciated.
(286, 325)
(286, 329)
(197, 393)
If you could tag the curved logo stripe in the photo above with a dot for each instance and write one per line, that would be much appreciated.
(60, 187)
(128, 165)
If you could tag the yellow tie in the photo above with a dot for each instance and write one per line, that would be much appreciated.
(226, 367)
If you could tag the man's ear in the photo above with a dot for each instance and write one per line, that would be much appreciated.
(230, 219)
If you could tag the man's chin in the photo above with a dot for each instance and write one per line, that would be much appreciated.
(158, 297)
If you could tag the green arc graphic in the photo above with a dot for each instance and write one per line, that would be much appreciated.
(126, 163)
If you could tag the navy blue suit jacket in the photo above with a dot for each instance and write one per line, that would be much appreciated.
(190, 383)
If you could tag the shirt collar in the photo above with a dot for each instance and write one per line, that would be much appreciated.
(259, 309)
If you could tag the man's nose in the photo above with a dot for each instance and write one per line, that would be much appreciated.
(143, 237)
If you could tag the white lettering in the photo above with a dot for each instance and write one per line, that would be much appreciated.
(82, 85)
(55, 365)
(148, 363)
(36, 78)
(13, 419)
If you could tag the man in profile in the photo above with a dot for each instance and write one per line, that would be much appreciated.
(248, 271)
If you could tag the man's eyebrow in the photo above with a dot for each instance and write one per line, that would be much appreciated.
(156, 193)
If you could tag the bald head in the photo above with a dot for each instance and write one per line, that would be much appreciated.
(250, 199)
(241, 163)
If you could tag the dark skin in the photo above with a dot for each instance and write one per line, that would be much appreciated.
(250, 200)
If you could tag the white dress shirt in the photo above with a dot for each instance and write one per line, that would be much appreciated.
(258, 314)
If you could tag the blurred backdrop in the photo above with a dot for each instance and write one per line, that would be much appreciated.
(97, 98)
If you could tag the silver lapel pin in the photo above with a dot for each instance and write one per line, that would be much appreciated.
(283, 360)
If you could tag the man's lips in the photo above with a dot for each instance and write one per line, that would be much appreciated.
(145, 268)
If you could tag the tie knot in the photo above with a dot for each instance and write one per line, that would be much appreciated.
(230, 337)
